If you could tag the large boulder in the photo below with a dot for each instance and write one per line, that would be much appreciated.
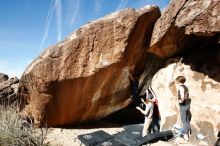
(3, 77)
(184, 25)
(85, 77)
(189, 30)
(8, 89)
(182, 22)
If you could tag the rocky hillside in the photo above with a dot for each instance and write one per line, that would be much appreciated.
(8, 89)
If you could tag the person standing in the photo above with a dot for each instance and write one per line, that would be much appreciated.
(155, 124)
(184, 103)
(148, 112)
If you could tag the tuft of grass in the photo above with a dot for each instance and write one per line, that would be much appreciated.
(15, 131)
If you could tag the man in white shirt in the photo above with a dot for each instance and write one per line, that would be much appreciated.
(184, 103)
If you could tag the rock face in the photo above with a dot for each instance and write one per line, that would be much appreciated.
(182, 20)
(8, 89)
(3, 77)
(189, 30)
(204, 94)
(85, 77)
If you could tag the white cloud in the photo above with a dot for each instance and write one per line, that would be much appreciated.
(58, 11)
(73, 10)
(122, 4)
(57, 6)
(47, 23)
(98, 6)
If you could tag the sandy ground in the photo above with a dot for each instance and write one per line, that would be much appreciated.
(68, 136)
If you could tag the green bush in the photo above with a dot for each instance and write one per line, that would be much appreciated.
(15, 131)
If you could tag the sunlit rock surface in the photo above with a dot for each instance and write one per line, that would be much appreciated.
(204, 94)
(189, 30)
(84, 78)
(181, 20)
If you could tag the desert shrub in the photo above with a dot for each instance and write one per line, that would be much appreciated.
(15, 131)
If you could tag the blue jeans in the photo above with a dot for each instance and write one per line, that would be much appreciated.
(185, 118)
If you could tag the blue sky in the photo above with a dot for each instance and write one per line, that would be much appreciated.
(27, 27)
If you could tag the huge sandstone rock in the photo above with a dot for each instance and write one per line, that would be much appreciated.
(182, 22)
(85, 77)
(189, 30)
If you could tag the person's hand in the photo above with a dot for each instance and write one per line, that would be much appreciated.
(180, 101)
(138, 108)
(154, 99)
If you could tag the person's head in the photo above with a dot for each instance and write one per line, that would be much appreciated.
(180, 79)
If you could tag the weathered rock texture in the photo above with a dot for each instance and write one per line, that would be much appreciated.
(204, 94)
(189, 30)
(8, 89)
(3, 77)
(184, 25)
(181, 20)
(85, 77)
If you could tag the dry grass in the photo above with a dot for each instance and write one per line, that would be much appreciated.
(15, 131)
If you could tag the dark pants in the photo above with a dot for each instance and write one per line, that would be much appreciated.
(155, 125)
(185, 118)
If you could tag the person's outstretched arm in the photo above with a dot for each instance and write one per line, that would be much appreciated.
(142, 111)
(153, 93)
(142, 100)
(147, 109)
